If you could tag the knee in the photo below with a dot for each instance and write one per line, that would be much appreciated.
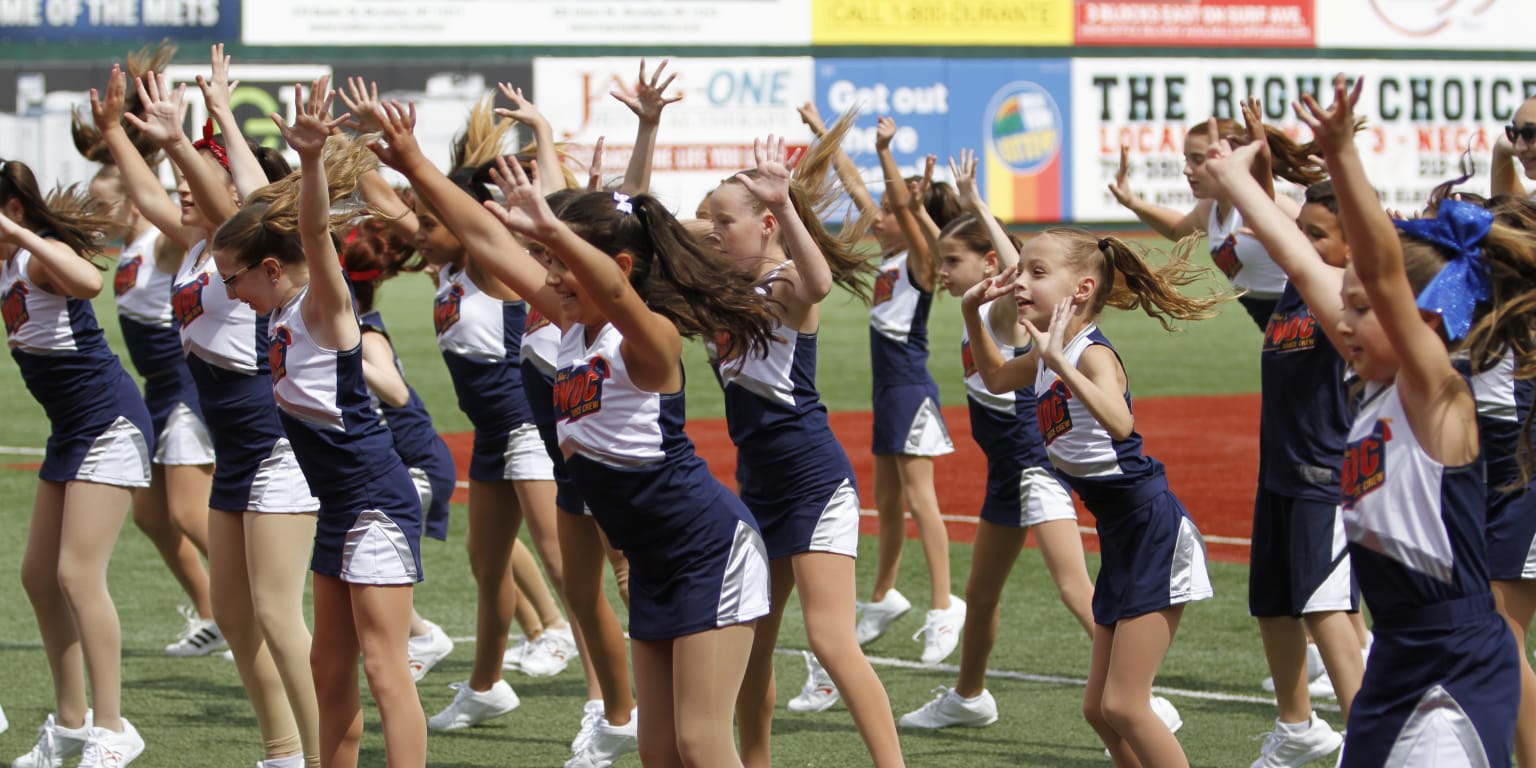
(330, 672)
(658, 752)
(41, 582)
(694, 747)
(1093, 712)
(77, 584)
(1120, 711)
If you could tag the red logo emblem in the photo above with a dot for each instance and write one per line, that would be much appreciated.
(1365, 464)
(1290, 333)
(127, 275)
(536, 320)
(885, 285)
(13, 303)
(445, 310)
(1225, 256)
(1051, 410)
(187, 301)
(277, 353)
(967, 360)
(579, 389)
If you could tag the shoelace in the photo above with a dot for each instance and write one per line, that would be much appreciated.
(45, 748)
(589, 723)
(194, 622)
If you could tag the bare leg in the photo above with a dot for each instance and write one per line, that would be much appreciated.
(1061, 545)
(707, 669)
(93, 517)
(278, 549)
(334, 659)
(582, 546)
(996, 550)
(754, 703)
(1140, 644)
(537, 500)
(187, 489)
(1093, 699)
(1517, 604)
(1340, 649)
(917, 487)
(494, 517)
(152, 515)
(1285, 647)
(893, 524)
(40, 579)
(382, 615)
(653, 687)
(531, 585)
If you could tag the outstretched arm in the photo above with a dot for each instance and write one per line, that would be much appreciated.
(1165, 221)
(847, 172)
(54, 265)
(813, 278)
(919, 257)
(1505, 171)
(243, 166)
(543, 135)
(162, 124)
(139, 180)
(361, 99)
(1004, 314)
(999, 375)
(485, 238)
(647, 102)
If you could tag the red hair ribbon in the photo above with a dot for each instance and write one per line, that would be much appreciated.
(364, 275)
(206, 142)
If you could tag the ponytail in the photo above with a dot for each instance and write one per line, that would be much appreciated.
(1288, 160)
(69, 215)
(1153, 290)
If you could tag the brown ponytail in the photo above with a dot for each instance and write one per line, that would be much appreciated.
(1154, 290)
(69, 215)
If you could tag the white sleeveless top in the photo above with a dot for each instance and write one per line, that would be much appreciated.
(220, 330)
(893, 308)
(1241, 256)
(974, 387)
(36, 321)
(143, 291)
(603, 415)
(470, 322)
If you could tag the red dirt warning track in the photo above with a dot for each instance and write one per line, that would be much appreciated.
(1210, 445)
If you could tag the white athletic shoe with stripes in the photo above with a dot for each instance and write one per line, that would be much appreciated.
(199, 637)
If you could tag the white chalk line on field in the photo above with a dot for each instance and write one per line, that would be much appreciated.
(950, 670)
(17, 450)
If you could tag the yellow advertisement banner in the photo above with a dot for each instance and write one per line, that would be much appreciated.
(945, 22)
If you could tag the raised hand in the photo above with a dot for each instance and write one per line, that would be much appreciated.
(216, 89)
(525, 113)
(922, 185)
(107, 112)
(771, 185)
(525, 210)
(650, 97)
(1121, 186)
(812, 118)
(1224, 162)
(312, 125)
(397, 147)
(1253, 119)
(1051, 342)
(1334, 127)
(162, 110)
(989, 289)
(885, 130)
(361, 98)
(595, 170)
(964, 172)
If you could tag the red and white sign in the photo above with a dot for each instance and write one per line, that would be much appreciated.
(1201, 23)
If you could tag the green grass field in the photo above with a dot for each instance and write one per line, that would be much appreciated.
(192, 712)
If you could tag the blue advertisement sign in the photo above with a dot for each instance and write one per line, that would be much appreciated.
(132, 21)
(1012, 112)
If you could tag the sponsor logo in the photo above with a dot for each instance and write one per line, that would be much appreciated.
(1290, 333)
(1365, 463)
(1225, 256)
(1025, 127)
(579, 389)
(13, 304)
(127, 275)
(885, 286)
(1054, 415)
(277, 353)
(445, 309)
(187, 301)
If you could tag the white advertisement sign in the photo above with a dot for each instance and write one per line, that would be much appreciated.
(1481, 25)
(526, 22)
(1421, 117)
(727, 102)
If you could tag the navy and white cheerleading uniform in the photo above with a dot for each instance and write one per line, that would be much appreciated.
(154, 347)
(541, 344)
(696, 560)
(906, 399)
(790, 470)
(226, 349)
(1442, 681)
(1152, 555)
(1299, 562)
(1023, 489)
(425, 454)
(369, 528)
(1503, 405)
(100, 427)
(480, 337)
(1246, 262)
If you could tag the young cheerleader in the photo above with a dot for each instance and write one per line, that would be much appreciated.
(791, 471)
(277, 255)
(1300, 581)
(98, 452)
(262, 521)
(1443, 670)
(1516, 147)
(1234, 249)
(1152, 556)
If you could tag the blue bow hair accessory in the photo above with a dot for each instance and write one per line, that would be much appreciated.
(1458, 227)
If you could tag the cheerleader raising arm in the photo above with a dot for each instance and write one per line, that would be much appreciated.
(998, 374)
(56, 266)
(543, 135)
(162, 124)
(243, 165)
(813, 278)
(361, 98)
(1003, 316)
(139, 180)
(647, 102)
(847, 172)
(1165, 221)
(920, 266)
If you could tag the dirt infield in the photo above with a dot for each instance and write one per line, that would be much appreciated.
(1210, 445)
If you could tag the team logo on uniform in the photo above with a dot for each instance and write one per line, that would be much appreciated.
(967, 360)
(1365, 463)
(127, 275)
(1051, 410)
(445, 309)
(579, 389)
(14, 305)
(536, 321)
(187, 301)
(277, 353)
(1290, 333)
(1225, 256)
(885, 285)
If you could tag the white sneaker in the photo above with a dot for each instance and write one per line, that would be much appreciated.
(943, 631)
(111, 749)
(607, 744)
(4, 723)
(949, 708)
(591, 715)
(1168, 713)
(550, 653)
(229, 656)
(199, 637)
(471, 707)
(424, 652)
(1284, 748)
(291, 761)
(819, 692)
(517, 648)
(55, 744)
(875, 618)
(1318, 683)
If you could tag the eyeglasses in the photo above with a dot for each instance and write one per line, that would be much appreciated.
(1526, 132)
(228, 281)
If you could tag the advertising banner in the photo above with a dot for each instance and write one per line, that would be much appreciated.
(957, 22)
(1196, 23)
(135, 21)
(1013, 112)
(1478, 25)
(1422, 116)
(527, 22)
(727, 102)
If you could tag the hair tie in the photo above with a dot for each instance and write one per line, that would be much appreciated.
(1104, 244)
(1458, 227)
(622, 204)
(206, 142)
(364, 275)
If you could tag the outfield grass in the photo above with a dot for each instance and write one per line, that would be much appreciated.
(193, 713)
